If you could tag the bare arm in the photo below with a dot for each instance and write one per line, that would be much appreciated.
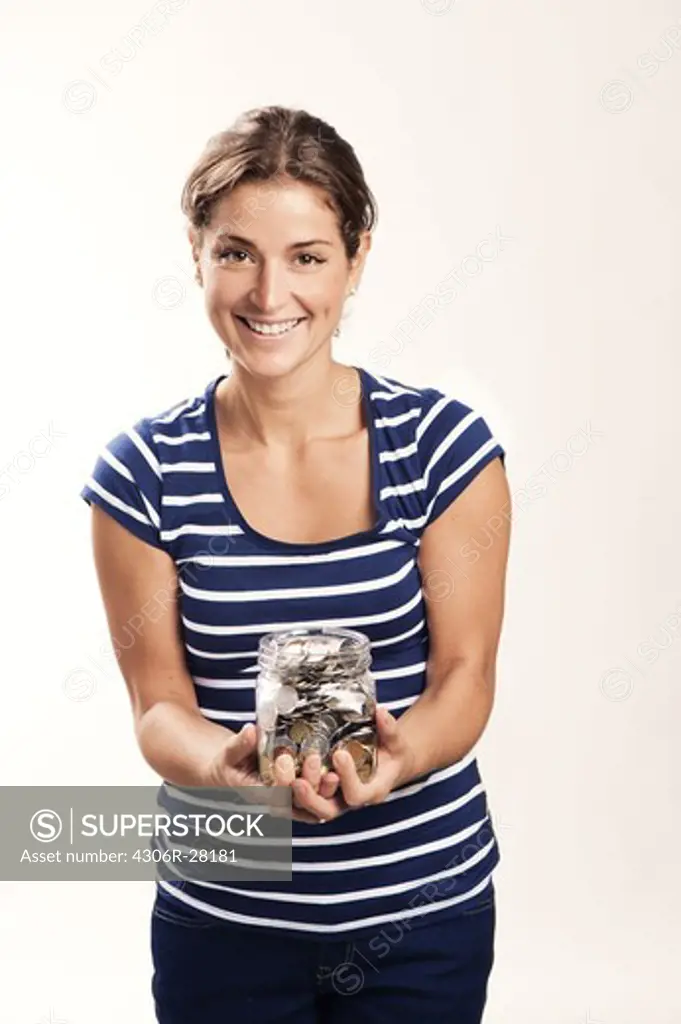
(464, 587)
(139, 589)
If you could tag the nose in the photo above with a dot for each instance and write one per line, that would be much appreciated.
(270, 289)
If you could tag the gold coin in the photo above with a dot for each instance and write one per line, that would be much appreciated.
(300, 731)
(359, 753)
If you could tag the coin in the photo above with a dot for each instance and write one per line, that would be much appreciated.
(300, 731)
(287, 699)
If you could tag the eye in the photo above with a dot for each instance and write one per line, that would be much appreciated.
(310, 256)
(225, 253)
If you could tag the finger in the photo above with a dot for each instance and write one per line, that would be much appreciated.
(284, 770)
(307, 799)
(298, 814)
(243, 743)
(312, 770)
(386, 726)
(354, 790)
(328, 786)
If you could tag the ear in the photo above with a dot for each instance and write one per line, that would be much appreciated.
(359, 258)
(195, 241)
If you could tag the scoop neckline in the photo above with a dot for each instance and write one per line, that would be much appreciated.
(272, 542)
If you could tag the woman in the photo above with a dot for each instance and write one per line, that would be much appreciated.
(297, 490)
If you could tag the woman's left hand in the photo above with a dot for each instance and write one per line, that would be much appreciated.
(393, 763)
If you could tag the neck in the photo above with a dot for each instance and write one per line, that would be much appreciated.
(314, 402)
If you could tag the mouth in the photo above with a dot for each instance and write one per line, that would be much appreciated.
(270, 331)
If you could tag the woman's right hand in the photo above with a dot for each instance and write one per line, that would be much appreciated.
(236, 765)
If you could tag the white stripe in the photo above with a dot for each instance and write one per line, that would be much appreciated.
(441, 775)
(393, 388)
(228, 716)
(196, 412)
(190, 499)
(176, 411)
(302, 926)
(187, 467)
(461, 471)
(199, 529)
(116, 464)
(115, 502)
(151, 511)
(404, 702)
(324, 867)
(378, 674)
(404, 524)
(243, 561)
(448, 441)
(352, 621)
(291, 593)
(378, 892)
(398, 673)
(145, 450)
(397, 454)
(249, 716)
(395, 421)
(220, 655)
(298, 926)
(225, 684)
(388, 641)
(394, 490)
(167, 439)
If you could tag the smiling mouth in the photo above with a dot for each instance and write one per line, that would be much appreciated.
(270, 330)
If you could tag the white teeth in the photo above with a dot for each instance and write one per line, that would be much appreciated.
(280, 328)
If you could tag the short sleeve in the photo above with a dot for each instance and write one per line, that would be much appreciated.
(126, 483)
(455, 444)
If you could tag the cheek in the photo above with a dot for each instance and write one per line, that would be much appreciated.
(323, 299)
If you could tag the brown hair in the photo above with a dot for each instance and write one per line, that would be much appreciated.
(271, 142)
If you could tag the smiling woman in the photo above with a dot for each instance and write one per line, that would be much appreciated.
(297, 491)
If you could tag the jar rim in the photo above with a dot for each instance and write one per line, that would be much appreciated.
(271, 645)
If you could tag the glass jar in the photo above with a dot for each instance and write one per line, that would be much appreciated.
(315, 692)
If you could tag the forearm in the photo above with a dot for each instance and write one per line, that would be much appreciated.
(179, 744)
(446, 721)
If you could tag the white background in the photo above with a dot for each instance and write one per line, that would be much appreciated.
(550, 122)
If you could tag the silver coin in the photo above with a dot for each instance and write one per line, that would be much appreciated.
(287, 699)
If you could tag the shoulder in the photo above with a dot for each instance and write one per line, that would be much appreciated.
(129, 474)
(431, 409)
(439, 442)
(170, 425)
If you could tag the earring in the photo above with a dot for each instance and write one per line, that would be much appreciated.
(197, 274)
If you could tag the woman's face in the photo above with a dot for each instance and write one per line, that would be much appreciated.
(275, 273)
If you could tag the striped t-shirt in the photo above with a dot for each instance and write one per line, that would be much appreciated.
(430, 847)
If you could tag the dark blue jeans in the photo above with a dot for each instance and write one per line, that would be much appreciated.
(207, 971)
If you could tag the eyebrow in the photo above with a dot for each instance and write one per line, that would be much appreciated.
(296, 245)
